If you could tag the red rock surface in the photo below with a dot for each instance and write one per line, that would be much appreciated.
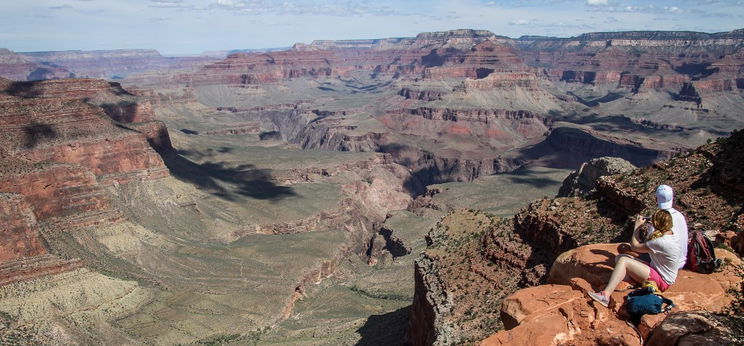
(561, 313)
(457, 54)
(501, 257)
(698, 328)
(52, 121)
(639, 60)
(58, 150)
(20, 238)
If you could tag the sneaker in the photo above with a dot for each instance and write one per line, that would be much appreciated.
(600, 297)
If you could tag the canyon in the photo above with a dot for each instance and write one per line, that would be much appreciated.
(352, 192)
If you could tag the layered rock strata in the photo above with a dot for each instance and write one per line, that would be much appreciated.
(497, 257)
(60, 151)
(114, 63)
(639, 61)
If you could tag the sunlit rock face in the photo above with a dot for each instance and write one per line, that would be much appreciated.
(554, 241)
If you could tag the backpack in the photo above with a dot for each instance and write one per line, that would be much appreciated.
(643, 301)
(700, 255)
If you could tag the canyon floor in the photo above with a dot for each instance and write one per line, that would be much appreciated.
(359, 302)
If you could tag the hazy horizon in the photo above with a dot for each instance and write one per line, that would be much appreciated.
(189, 27)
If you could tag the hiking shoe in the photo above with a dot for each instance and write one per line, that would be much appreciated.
(600, 297)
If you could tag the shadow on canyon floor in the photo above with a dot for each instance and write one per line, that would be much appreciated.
(386, 329)
(533, 181)
(245, 180)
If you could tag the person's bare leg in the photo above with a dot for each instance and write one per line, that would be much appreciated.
(626, 266)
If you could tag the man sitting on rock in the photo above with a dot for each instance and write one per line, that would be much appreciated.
(663, 246)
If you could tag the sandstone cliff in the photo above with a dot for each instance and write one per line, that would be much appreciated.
(639, 61)
(60, 151)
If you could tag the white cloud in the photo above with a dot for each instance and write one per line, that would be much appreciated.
(230, 3)
(519, 22)
(596, 2)
(60, 7)
(673, 9)
(168, 4)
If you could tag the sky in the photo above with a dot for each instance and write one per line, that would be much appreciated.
(181, 27)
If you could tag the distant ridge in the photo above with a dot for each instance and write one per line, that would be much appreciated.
(643, 35)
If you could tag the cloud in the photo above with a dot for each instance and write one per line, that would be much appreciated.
(230, 3)
(314, 8)
(168, 4)
(650, 9)
(60, 7)
(519, 22)
(596, 2)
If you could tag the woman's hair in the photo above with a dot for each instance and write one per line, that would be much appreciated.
(662, 220)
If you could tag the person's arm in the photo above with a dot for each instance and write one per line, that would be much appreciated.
(635, 244)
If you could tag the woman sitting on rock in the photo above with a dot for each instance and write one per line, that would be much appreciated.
(663, 248)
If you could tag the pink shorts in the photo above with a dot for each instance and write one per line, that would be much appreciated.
(654, 276)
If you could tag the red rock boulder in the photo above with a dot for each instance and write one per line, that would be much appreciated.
(589, 268)
(559, 314)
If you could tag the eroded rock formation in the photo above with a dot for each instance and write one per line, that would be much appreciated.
(583, 180)
(60, 151)
(473, 261)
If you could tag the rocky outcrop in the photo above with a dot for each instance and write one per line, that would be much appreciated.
(422, 95)
(561, 312)
(697, 328)
(503, 256)
(583, 180)
(58, 121)
(557, 314)
(571, 146)
(60, 150)
(21, 239)
(252, 128)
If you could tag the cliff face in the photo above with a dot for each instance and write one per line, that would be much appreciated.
(453, 54)
(482, 259)
(21, 240)
(634, 60)
(639, 61)
(59, 152)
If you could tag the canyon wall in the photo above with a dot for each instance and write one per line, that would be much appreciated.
(60, 151)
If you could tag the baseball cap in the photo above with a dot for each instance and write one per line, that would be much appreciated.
(664, 196)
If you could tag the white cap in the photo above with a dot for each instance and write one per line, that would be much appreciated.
(664, 196)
